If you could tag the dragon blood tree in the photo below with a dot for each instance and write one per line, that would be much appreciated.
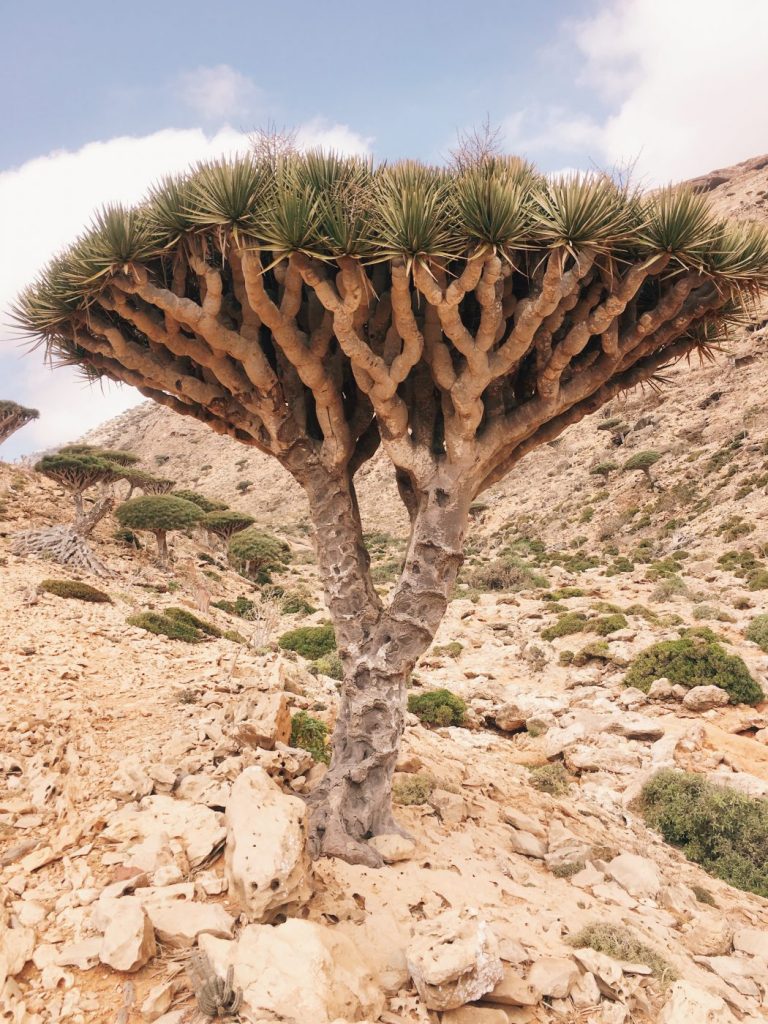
(68, 544)
(13, 417)
(318, 308)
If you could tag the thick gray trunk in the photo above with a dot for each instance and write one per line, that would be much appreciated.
(379, 647)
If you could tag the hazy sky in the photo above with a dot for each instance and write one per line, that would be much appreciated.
(98, 101)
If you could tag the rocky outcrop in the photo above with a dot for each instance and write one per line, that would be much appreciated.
(266, 860)
(453, 960)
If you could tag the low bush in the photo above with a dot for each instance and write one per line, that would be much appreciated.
(294, 603)
(757, 632)
(550, 778)
(450, 650)
(311, 642)
(329, 665)
(241, 606)
(179, 624)
(621, 944)
(413, 789)
(724, 831)
(437, 707)
(566, 624)
(310, 734)
(258, 554)
(696, 659)
(75, 590)
(505, 574)
(607, 624)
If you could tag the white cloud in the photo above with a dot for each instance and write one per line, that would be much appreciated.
(220, 93)
(321, 134)
(44, 204)
(682, 81)
(691, 74)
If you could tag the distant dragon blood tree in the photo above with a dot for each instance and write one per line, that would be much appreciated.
(13, 417)
(76, 472)
(316, 308)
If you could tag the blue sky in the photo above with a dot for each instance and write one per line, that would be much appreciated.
(101, 100)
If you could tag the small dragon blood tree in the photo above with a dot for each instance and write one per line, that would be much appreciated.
(318, 307)
(13, 417)
(158, 514)
(68, 544)
(225, 523)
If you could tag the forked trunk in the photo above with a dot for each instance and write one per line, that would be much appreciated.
(379, 647)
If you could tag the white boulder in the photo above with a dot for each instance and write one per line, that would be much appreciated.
(266, 861)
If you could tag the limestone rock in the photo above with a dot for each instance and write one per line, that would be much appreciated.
(709, 935)
(554, 976)
(158, 1000)
(703, 698)
(16, 948)
(451, 807)
(83, 955)
(129, 940)
(453, 959)
(510, 717)
(751, 940)
(660, 689)
(528, 845)
(524, 822)
(474, 1015)
(178, 923)
(335, 982)
(393, 847)
(265, 722)
(637, 875)
(266, 861)
(637, 727)
(688, 1004)
(197, 827)
(513, 990)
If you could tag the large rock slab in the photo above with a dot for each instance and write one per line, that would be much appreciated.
(266, 861)
(637, 875)
(297, 972)
(704, 698)
(453, 959)
(179, 923)
(198, 828)
(688, 1004)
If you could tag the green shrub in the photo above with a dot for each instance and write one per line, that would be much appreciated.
(311, 642)
(505, 574)
(186, 617)
(642, 460)
(550, 778)
(329, 665)
(568, 869)
(757, 632)
(758, 580)
(437, 707)
(671, 586)
(620, 943)
(563, 594)
(604, 468)
(606, 624)
(414, 789)
(74, 589)
(450, 650)
(568, 623)
(258, 554)
(598, 650)
(241, 606)
(296, 604)
(162, 625)
(724, 831)
(127, 537)
(696, 659)
(310, 734)
(202, 502)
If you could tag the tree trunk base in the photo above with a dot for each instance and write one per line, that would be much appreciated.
(63, 544)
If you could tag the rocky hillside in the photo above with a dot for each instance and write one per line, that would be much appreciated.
(149, 787)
